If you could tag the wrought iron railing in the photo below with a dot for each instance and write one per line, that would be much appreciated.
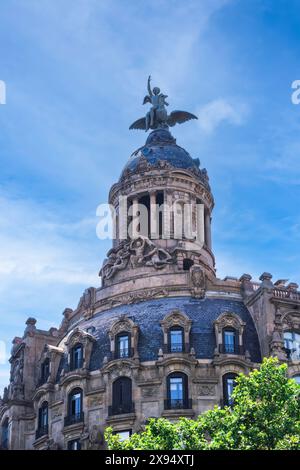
(178, 404)
(41, 431)
(75, 418)
(121, 409)
(232, 349)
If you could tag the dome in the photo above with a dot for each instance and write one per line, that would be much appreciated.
(202, 312)
(161, 146)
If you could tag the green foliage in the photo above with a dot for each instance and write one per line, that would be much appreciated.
(265, 415)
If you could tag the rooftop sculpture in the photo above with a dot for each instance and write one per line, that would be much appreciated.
(158, 116)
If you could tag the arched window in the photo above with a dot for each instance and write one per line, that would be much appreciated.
(176, 339)
(229, 382)
(45, 370)
(4, 434)
(292, 345)
(42, 420)
(187, 264)
(177, 391)
(121, 396)
(123, 343)
(297, 379)
(76, 357)
(230, 341)
(75, 412)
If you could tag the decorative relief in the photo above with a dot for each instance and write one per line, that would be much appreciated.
(133, 297)
(56, 412)
(207, 390)
(95, 401)
(87, 302)
(198, 281)
(138, 252)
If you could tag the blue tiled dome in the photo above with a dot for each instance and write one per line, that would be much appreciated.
(161, 146)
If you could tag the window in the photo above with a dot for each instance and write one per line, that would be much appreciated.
(292, 345)
(76, 357)
(187, 264)
(297, 379)
(177, 390)
(228, 387)
(42, 421)
(176, 339)
(4, 434)
(122, 345)
(74, 445)
(123, 435)
(75, 413)
(45, 371)
(122, 396)
(229, 341)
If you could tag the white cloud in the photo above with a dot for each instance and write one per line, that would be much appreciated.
(217, 111)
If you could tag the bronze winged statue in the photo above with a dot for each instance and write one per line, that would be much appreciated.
(158, 115)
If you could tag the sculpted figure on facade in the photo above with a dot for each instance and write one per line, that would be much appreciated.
(138, 252)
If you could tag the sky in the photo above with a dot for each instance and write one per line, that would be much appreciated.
(75, 73)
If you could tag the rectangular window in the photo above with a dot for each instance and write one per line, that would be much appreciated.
(123, 346)
(124, 434)
(176, 340)
(229, 342)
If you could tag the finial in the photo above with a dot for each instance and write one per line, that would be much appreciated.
(158, 116)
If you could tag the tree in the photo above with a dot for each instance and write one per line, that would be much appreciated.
(265, 416)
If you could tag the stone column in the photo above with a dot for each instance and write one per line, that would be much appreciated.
(153, 216)
(207, 230)
(167, 214)
(123, 218)
(135, 217)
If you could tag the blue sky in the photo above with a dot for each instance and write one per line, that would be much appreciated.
(76, 73)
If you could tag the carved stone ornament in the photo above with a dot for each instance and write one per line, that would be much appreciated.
(207, 390)
(135, 253)
(149, 392)
(87, 302)
(198, 281)
(95, 439)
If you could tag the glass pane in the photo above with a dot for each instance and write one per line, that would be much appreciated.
(297, 379)
(176, 340)
(230, 387)
(124, 435)
(229, 339)
(124, 345)
(176, 388)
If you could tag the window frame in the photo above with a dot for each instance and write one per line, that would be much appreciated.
(75, 361)
(184, 400)
(230, 329)
(226, 398)
(117, 345)
(172, 329)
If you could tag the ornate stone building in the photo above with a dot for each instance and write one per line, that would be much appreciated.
(162, 336)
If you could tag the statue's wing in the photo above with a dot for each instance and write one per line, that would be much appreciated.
(139, 124)
(178, 117)
(147, 99)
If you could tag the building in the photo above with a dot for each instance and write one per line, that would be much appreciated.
(162, 336)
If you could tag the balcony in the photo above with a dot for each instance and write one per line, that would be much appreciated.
(121, 409)
(178, 404)
(123, 353)
(175, 348)
(232, 349)
(41, 431)
(74, 419)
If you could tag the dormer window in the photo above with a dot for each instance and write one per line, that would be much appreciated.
(229, 341)
(123, 341)
(76, 357)
(45, 370)
(176, 339)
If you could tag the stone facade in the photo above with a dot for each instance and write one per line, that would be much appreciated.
(68, 384)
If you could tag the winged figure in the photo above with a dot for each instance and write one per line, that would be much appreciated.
(158, 115)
